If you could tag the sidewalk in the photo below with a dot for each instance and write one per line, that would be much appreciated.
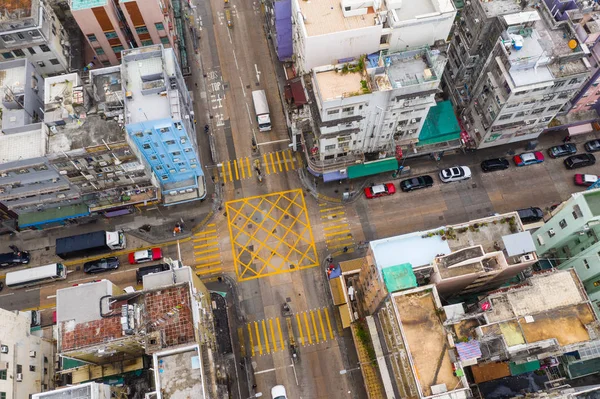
(333, 191)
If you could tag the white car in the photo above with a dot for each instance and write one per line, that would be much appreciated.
(455, 173)
(278, 392)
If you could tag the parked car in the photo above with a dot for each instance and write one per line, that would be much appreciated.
(530, 215)
(592, 146)
(562, 150)
(585, 180)
(101, 265)
(416, 183)
(147, 255)
(528, 158)
(14, 258)
(278, 392)
(579, 161)
(491, 165)
(455, 173)
(142, 271)
(380, 190)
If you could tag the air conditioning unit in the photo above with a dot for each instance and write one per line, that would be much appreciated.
(413, 121)
(19, 377)
(526, 258)
(32, 353)
(3, 349)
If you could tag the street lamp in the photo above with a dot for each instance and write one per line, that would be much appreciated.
(256, 395)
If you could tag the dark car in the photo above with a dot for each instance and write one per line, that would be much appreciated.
(101, 265)
(491, 165)
(579, 161)
(416, 183)
(14, 258)
(592, 146)
(562, 150)
(142, 271)
(530, 215)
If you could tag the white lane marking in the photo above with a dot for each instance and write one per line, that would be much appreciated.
(235, 59)
(257, 73)
(243, 89)
(123, 271)
(249, 115)
(229, 34)
(12, 293)
(51, 296)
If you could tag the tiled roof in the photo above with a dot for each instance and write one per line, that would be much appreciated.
(90, 333)
(169, 310)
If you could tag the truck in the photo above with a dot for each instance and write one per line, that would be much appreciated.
(88, 244)
(261, 108)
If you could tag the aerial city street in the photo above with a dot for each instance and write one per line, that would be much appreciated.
(299, 199)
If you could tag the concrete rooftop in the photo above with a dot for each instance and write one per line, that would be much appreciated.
(426, 339)
(325, 16)
(334, 84)
(24, 145)
(180, 375)
(495, 8)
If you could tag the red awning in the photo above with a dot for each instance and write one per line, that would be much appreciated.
(287, 91)
(298, 93)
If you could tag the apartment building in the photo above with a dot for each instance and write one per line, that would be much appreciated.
(459, 260)
(569, 239)
(328, 33)
(111, 26)
(526, 326)
(511, 69)
(370, 110)
(159, 119)
(26, 360)
(88, 390)
(30, 30)
(169, 322)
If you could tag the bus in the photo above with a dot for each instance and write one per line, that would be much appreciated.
(36, 275)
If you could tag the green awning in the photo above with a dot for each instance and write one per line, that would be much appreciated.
(440, 125)
(516, 369)
(585, 367)
(53, 215)
(372, 168)
(399, 277)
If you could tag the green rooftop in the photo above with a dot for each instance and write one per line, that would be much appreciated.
(83, 4)
(440, 125)
(399, 277)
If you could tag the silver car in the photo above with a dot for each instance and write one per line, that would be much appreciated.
(456, 173)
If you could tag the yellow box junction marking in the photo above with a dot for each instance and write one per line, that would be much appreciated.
(270, 234)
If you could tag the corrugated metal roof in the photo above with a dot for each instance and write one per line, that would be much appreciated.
(337, 291)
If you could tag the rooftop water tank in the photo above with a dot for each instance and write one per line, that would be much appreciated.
(517, 42)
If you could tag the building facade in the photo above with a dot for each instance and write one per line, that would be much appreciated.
(111, 26)
(570, 240)
(511, 70)
(26, 360)
(159, 119)
(323, 34)
(30, 30)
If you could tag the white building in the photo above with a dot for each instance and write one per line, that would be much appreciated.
(26, 360)
(363, 111)
(329, 32)
(29, 29)
(89, 390)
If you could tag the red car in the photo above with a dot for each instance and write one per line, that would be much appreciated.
(528, 158)
(147, 255)
(380, 190)
(585, 180)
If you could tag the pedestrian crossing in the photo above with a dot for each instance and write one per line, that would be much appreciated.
(207, 251)
(336, 228)
(268, 164)
(268, 336)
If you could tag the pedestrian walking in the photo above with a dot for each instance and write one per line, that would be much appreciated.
(567, 138)
(196, 84)
(254, 386)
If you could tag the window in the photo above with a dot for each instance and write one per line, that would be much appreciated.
(164, 177)
(504, 117)
(7, 38)
(153, 158)
(3, 374)
(165, 40)
(92, 38)
(560, 83)
(2, 395)
(41, 64)
(551, 233)
(31, 50)
(8, 55)
(54, 61)
(146, 146)
(563, 95)
(159, 26)
(333, 112)
(19, 53)
(118, 49)
(19, 369)
(586, 264)
(99, 51)
(577, 212)
(31, 368)
(573, 81)
(529, 102)
(158, 167)
(348, 110)
(141, 29)
(111, 35)
(34, 33)
(537, 111)
(330, 147)
(554, 108)
(147, 42)
(44, 48)
(513, 105)
(562, 224)
(170, 142)
(519, 114)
